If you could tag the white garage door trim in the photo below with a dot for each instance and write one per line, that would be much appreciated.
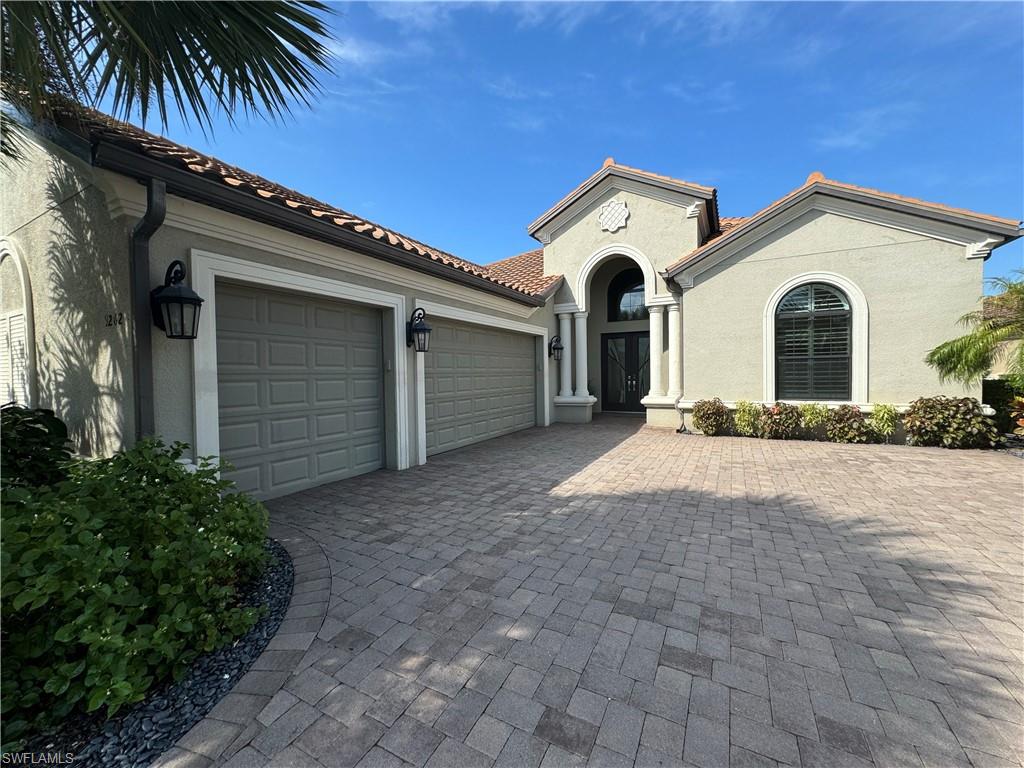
(490, 321)
(207, 267)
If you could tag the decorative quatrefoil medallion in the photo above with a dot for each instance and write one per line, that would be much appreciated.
(612, 215)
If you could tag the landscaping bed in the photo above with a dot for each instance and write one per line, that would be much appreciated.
(141, 733)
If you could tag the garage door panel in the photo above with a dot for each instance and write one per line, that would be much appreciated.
(300, 389)
(479, 383)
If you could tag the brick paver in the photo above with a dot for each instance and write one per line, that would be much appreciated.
(616, 594)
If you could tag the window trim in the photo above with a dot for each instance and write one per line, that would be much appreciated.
(858, 331)
(618, 287)
(8, 250)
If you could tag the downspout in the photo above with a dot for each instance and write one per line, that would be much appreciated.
(142, 321)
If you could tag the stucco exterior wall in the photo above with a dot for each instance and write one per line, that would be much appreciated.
(658, 229)
(54, 212)
(916, 287)
(172, 362)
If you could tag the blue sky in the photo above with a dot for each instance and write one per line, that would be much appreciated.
(458, 124)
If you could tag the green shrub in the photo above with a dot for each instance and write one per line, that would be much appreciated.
(117, 578)
(883, 420)
(949, 422)
(846, 424)
(711, 417)
(34, 446)
(747, 418)
(780, 421)
(813, 415)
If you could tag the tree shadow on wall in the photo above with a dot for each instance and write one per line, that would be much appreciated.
(85, 352)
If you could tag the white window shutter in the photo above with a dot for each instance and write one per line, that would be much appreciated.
(14, 362)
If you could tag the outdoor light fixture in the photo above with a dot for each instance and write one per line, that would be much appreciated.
(555, 348)
(417, 332)
(175, 306)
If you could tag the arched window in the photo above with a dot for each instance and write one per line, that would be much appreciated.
(812, 344)
(626, 296)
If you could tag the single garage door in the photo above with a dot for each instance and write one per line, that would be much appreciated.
(480, 383)
(300, 389)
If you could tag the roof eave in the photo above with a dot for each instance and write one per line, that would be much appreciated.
(112, 157)
(566, 202)
(1008, 230)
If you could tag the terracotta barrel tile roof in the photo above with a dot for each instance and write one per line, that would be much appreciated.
(97, 126)
(525, 270)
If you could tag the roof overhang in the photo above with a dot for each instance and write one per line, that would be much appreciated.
(182, 183)
(633, 177)
(943, 223)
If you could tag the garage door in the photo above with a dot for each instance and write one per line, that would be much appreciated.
(480, 383)
(300, 389)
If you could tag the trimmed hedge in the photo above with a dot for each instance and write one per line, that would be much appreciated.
(115, 578)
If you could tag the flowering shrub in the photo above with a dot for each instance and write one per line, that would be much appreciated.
(949, 422)
(747, 418)
(711, 417)
(883, 420)
(846, 424)
(780, 421)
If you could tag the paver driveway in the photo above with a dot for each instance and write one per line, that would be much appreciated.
(613, 594)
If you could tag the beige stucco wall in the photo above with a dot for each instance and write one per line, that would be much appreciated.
(54, 212)
(172, 362)
(659, 230)
(916, 287)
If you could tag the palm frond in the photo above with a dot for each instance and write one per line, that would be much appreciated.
(194, 58)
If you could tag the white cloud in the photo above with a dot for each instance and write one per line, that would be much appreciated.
(565, 17)
(866, 128)
(507, 87)
(721, 97)
(415, 15)
(357, 52)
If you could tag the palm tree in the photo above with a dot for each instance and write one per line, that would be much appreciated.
(969, 357)
(192, 57)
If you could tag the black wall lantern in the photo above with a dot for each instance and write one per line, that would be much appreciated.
(555, 348)
(417, 332)
(175, 306)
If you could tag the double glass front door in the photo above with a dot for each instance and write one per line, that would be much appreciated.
(625, 370)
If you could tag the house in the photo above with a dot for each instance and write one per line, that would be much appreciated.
(641, 298)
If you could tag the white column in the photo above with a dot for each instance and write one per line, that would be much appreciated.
(657, 316)
(675, 350)
(565, 365)
(580, 345)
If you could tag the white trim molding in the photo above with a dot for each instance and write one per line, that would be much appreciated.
(206, 267)
(858, 325)
(488, 321)
(603, 254)
(983, 248)
(9, 250)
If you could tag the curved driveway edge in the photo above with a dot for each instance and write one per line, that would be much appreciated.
(225, 733)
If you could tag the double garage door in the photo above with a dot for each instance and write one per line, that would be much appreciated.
(301, 391)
